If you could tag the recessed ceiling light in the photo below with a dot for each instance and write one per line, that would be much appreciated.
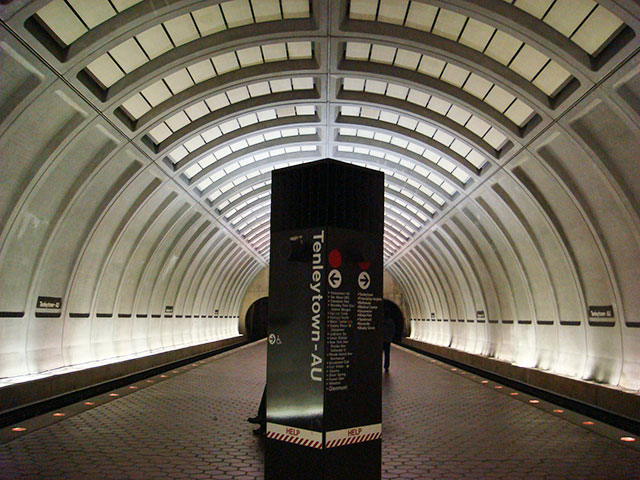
(588, 423)
(89, 403)
(58, 414)
(627, 439)
(557, 410)
(114, 395)
(534, 401)
(18, 429)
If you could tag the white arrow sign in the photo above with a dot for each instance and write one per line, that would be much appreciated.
(364, 280)
(335, 278)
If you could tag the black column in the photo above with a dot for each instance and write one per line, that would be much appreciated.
(325, 312)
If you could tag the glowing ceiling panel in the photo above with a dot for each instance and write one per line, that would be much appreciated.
(221, 95)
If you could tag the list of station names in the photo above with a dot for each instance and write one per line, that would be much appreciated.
(366, 306)
(339, 323)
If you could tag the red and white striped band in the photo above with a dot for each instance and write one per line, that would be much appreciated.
(299, 436)
(348, 436)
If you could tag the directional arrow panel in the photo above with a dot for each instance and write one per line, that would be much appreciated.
(335, 278)
(364, 280)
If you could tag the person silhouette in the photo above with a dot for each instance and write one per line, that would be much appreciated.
(388, 331)
(261, 418)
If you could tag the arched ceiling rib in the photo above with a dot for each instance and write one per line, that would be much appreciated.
(436, 94)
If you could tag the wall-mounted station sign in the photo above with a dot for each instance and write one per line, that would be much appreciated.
(601, 311)
(49, 303)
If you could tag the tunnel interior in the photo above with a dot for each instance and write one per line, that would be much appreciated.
(256, 319)
(138, 140)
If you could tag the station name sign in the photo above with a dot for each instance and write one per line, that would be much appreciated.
(49, 303)
(600, 311)
(316, 307)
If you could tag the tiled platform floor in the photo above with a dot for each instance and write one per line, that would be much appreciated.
(190, 423)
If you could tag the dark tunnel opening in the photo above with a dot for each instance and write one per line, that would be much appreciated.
(256, 319)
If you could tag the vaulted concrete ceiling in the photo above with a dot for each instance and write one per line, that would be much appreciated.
(488, 118)
(437, 95)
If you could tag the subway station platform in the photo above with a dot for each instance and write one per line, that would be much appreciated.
(438, 422)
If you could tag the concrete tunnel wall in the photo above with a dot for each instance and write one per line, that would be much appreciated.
(528, 216)
(90, 219)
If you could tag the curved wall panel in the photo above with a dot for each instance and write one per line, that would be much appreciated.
(552, 235)
(90, 219)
